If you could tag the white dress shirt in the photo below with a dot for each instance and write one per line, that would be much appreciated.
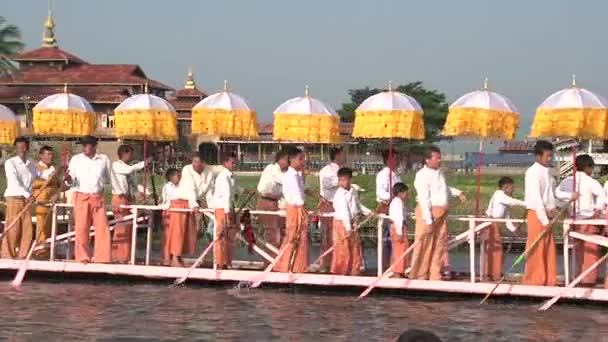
(223, 190)
(591, 194)
(89, 175)
(500, 202)
(271, 180)
(384, 183)
(123, 182)
(432, 191)
(399, 213)
(19, 177)
(293, 187)
(168, 193)
(48, 171)
(328, 181)
(194, 185)
(540, 191)
(347, 206)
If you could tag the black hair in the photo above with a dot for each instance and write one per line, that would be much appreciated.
(386, 153)
(429, 150)
(294, 152)
(584, 161)
(334, 151)
(124, 149)
(416, 335)
(399, 188)
(541, 146)
(284, 152)
(170, 173)
(45, 148)
(21, 140)
(227, 156)
(504, 181)
(345, 172)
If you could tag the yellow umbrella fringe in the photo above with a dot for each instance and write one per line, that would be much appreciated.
(383, 124)
(63, 123)
(240, 124)
(151, 125)
(313, 128)
(9, 130)
(481, 123)
(583, 123)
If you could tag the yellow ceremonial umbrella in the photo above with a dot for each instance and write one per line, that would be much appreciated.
(9, 126)
(482, 114)
(226, 115)
(63, 115)
(306, 119)
(575, 113)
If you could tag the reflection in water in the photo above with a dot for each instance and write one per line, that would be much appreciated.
(108, 311)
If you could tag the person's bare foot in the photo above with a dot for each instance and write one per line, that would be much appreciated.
(166, 262)
(84, 261)
(397, 276)
(177, 262)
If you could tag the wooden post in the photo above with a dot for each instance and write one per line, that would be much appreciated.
(566, 238)
(134, 237)
(259, 152)
(379, 248)
(53, 231)
(472, 249)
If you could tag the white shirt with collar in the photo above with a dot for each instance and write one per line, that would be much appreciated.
(123, 182)
(592, 197)
(499, 204)
(347, 206)
(223, 190)
(328, 181)
(168, 193)
(48, 171)
(293, 187)
(271, 180)
(384, 180)
(432, 191)
(19, 177)
(194, 185)
(399, 213)
(89, 175)
(540, 191)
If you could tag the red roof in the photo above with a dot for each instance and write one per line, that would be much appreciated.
(49, 54)
(112, 94)
(190, 93)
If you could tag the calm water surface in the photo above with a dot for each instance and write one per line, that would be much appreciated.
(87, 311)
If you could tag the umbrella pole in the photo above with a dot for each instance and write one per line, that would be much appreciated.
(574, 179)
(145, 167)
(479, 166)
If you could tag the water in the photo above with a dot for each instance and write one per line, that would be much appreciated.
(104, 311)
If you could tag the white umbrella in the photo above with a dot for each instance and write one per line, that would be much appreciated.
(64, 114)
(9, 126)
(146, 117)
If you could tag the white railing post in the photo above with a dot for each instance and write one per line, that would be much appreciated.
(53, 231)
(482, 257)
(566, 238)
(70, 252)
(472, 249)
(380, 246)
(151, 222)
(134, 236)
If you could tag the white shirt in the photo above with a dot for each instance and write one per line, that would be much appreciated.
(328, 181)
(399, 214)
(48, 171)
(123, 182)
(540, 191)
(347, 206)
(168, 193)
(591, 194)
(89, 175)
(293, 187)
(271, 180)
(499, 205)
(19, 177)
(223, 190)
(432, 191)
(194, 185)
(383, 190)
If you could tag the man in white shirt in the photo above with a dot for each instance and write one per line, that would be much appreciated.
(433, 196)
(541, 263)
(172, 176)
(87, 173)
(20, 173)
(124, 190)
(589, 205)
(269, 190)
(328, 181)
(385, 179)
(196, 184)
(223, 194)
(498, 208)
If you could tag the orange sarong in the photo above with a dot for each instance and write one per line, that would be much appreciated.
(121, 240)
(222, 249)
(18, 240)
(347, 251)
(429, 254)
(493, 261)
(326, 231)
(89, 210)
(271, 223)
(586, 254)
(541, 264)
(399, 247)
(295, 243)
(181, 237)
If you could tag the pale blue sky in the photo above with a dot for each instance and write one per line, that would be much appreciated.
(269, 50)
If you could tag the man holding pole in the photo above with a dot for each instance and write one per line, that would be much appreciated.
(385, 179)
(269, 189)
(223, 194)
(45, 170)
(433, 195)
(20, 172)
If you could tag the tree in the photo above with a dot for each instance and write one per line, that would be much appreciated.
(432, 102)
(10, 45)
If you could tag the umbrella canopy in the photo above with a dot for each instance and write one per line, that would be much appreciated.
(225, 114)
(146, 117)
(64, 115)
(306, 119)
(482, 114)
(572, 112)
(389, 114)
(9, 126)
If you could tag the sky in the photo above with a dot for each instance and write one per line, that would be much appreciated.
(268, 50)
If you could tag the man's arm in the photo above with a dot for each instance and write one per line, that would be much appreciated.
(125, 170)
(423, 194)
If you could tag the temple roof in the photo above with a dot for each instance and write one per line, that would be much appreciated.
(48, 54)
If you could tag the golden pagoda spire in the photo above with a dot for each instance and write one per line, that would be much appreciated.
(190, 84)
(48, 36)
(486, 84)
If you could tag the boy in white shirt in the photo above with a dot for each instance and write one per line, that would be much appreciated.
(399, 214)
(346, 239)
(223, 194)
(498, 208)
(167, 195)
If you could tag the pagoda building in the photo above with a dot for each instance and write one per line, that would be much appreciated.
(183, 100)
